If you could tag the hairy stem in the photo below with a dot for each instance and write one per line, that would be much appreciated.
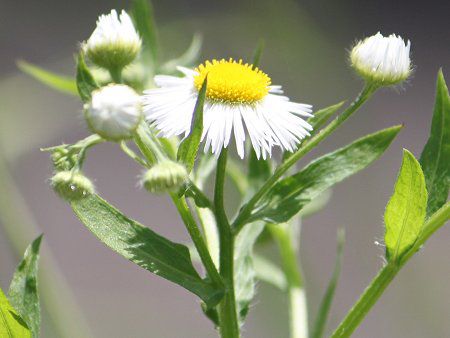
(304, 149)
(229, 326)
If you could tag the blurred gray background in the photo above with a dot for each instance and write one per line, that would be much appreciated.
(306, 52)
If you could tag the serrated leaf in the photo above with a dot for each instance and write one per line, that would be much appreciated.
(291, 194)
(143, 15)
(435, 158)
(11, 324)
(325, 304)
(188, 149)
(86, 83)
(23, 293)
(61, 83)
(405, 211)
(144, 247)
(323, 115)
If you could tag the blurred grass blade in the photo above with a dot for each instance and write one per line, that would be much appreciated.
(291, 194)
(86, 83)
(187, 59)
(435, 158)
(143, 15)
(405, 211)
(144, 247)
(323, 115)
(325, 304)
(256, 59)
(23, 293)
(187, 152)
(268, 272)
(11, 324)
(61, 83)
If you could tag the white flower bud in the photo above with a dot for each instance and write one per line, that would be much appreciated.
(114, 42)
(72, 186)
(114, 112)
(384, 60)
(166, 176)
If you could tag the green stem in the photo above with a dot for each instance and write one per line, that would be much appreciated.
(197, 238)
(386, 275)
(116, 75)
(305, 148)
(297, 300)
(229, 326)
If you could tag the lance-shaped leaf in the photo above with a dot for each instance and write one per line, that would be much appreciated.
(61, 83)
(142, 12)
(187, 152)
(144, 247)
(23, 293)
(86, 83)
(187, 59)
(405, 211)
(323, 115)
(435, 158)
(291, 194)
(11, 324)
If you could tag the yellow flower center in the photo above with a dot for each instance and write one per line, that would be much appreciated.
(232, 82)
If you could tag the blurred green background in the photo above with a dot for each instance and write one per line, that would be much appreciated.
(306, 51)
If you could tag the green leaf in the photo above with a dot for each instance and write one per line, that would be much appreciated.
(405, 211)
(23, 293)
(325, 304)
(268, 272)
(259, 170)
(86, 83)
(323, 115)
(291, 194)
(61, 83)
(143, 247)
(11, 324)
(256, 59)
(143, 15)
(187, 152)
(435, 158)
(187, 59)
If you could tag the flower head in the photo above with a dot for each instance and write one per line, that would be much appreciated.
(380, 59)
(165, 176)
(114, 112)
(72, 186)
(114, 42)
(239, 98)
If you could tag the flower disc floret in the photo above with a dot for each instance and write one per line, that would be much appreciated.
(232, 81)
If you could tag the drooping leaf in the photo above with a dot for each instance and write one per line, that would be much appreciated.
(61, 83)
(291, 194)
(435, 158)
(11, 324)
(325, 304)
(268, 272)
(405, 211)
(323, 115)
(86, 83)
(143, 15)
(144, 247)
(23, 293)
(187, 152)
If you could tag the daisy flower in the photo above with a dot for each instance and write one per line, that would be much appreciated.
(240, 99)
(382, 59)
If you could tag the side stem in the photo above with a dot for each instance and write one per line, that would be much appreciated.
(229, 326)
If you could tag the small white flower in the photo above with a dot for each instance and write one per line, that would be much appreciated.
(114, 112)
(114, 42)
(239, 100)
(382, 59)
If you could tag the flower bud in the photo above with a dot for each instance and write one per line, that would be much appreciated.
(383, 60)
(71, 186)
(114, 42)
(114, 112)
(166, 176)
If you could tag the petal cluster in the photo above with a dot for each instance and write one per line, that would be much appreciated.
(271, 121)
(382, 59)
(114, 112)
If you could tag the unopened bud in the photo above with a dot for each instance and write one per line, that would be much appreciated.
(72, 186)
(167, 176)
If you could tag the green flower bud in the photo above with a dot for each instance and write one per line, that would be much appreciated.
(71, 186)
(166, 176)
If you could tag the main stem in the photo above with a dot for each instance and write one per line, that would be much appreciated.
(229, 326)
(386, 275)
(305, 148)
